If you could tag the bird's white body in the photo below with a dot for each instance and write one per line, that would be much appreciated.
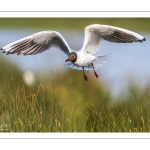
(94, 34)
(84, 59)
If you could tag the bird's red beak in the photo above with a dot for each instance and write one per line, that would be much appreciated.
(67, 60)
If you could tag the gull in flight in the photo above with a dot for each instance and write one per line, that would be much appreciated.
(82, 59)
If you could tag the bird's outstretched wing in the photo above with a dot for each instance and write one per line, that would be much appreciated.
(96, 32)
(37, 43)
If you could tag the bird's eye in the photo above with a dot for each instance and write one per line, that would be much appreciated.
(73, 56)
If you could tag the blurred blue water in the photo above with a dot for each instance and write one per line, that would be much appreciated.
(127, 60)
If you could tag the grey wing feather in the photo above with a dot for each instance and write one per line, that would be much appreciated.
(118, 36)
(37, 43)
(95, 33)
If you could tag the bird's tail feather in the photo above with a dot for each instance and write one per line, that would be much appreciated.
(101, 60)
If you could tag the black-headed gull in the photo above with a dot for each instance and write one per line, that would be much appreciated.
(82, 59)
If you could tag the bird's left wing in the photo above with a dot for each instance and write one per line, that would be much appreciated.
(37, 43)
(95, 33)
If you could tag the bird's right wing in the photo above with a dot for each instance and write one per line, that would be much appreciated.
(37, 43)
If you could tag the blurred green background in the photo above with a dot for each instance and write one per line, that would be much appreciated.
(74, 23)
(66, 103)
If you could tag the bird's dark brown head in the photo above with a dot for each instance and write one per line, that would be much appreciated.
(72, 57)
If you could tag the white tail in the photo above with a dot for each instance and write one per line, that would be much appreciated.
(101, 60)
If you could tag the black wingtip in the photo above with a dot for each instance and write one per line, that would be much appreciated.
(8, 53)
(3, 51)
(144, 39)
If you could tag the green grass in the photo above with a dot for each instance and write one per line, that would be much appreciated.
(57, 105)
(44, 111)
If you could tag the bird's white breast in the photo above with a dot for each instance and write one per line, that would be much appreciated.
(84, 59)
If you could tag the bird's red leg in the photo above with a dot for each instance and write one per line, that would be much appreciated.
(85, 77)
(96, 75)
